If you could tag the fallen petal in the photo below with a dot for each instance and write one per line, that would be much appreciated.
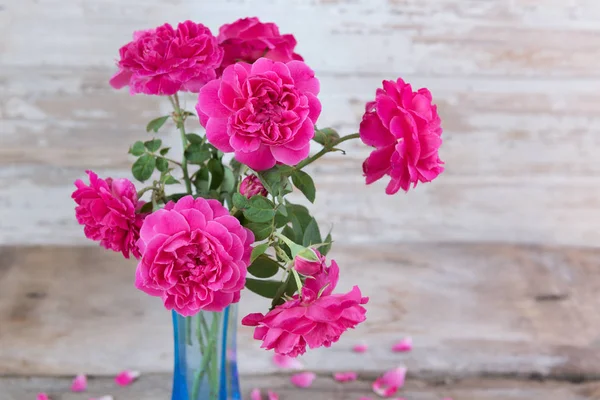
(388, 384)
(42, 396)
(272, 395)
(126, 378)
(255, 394)
(303, 379)
(366, 398)
(360, 348)
(403, 345)
(79, 383)
(286, 362)
(107, 397)
(345, 376)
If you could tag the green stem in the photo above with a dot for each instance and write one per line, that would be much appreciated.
(326, 150)
(214, 366)
(188, 330)
(181, 126)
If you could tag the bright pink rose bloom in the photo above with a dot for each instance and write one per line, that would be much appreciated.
(308, 267)
(194, 255)
(318, 318)
(251, 186)
(264, 112)
(248, 39)
(163, 61)
(107, 209)
(404, 127)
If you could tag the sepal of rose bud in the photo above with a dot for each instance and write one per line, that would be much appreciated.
(309, 262)
(326, 136)
(252, 186)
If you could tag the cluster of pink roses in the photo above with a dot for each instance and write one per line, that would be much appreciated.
(258, 100)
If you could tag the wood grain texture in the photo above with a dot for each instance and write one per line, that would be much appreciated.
(474, 310)
(516, 83)
(157, 387)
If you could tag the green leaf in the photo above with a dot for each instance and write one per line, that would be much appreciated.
(143, 168)
(258, 250)
(176, 196)
(228, 184)
(240, 201)
(265, 288)
(164, 151)
(304, 182)
(300, 219)
(161, 164)
(169, 180)
(137, 149)
(236, 166)
(282, 210)
(261, 231)
(263, 267)
(194, 139)
(280, 220)
(197, 153)
(156, 124)
(201, 181)
(260, 209)
(289, 233)
(276, 180)
(217, 173)
(146, 208)
(311, 234)
(153, 145)
(327, 246)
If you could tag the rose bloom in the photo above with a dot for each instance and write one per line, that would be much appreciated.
(194, 255)
(164, 60)
(404, 127)
(248, 39)
(107, 209)
(308, 267)
(252, 186)
(317, 318)
(265, 112)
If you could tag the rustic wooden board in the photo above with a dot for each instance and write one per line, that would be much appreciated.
(497, 310)
(516, 83)
(157, 387)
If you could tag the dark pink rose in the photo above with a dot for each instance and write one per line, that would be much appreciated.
(248, 39)
(194, 255)
(265, 112)
(107, 209)
(310, 267)
(251, 186)
(317, 318)
(404, 127)
(164, 60)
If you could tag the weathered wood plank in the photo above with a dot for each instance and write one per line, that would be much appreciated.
(472, 309)
(157, 387)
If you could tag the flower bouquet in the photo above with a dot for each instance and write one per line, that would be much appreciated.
(216, 219)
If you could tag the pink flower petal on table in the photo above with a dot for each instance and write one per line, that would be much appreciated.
(42, 396)
(388, 384)
(345, 376)
(272, 395)
(403, 345)
(360, 348)
(286, 362)
(107, 397)
(366, 398)
(303, 379)
(79, 383)
(126, 378)
(255, 394)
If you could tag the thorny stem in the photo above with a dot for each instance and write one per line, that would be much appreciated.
(179, 120)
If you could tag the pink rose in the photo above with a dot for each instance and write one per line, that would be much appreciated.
(107, 209)
(317, 318)
(194, 255)
(308, 267)
(404, 127)
(164, 60)
(248, 39)
(264, 112)
(251, 186)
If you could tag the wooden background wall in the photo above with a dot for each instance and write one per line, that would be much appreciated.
(483, 266)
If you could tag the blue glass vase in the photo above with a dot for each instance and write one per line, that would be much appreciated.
(205, 356)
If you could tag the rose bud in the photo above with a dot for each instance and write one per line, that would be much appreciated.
(309, 262)
(251, 186)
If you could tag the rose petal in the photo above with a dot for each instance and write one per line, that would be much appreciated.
(126, 377)
(255, 394)
(403, 345)
(360, 348)
(42, 396)
(345, 376)
(272, 395)
(79, 383)
(388, 384)
(366, 398)
(303, 379)
(286, 362)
